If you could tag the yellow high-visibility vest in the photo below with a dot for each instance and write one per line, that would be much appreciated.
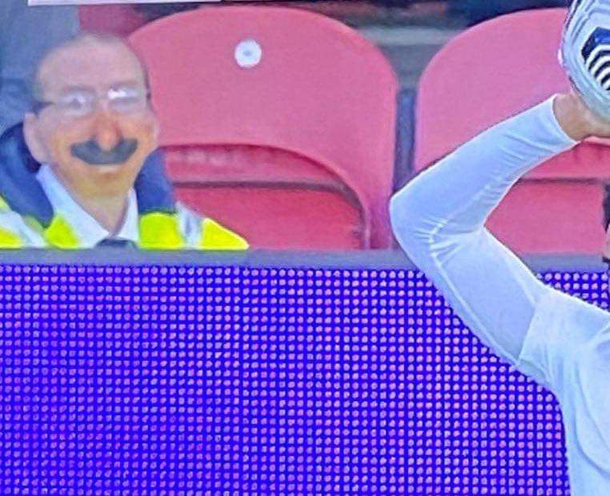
(158, 231)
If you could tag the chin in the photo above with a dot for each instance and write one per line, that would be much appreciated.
(124, 169)
(108, 169)
(115, 177)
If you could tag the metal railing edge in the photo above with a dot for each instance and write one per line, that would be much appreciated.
(367, 260)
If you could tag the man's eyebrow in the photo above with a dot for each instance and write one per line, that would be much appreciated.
(70, 89)
(129, 82)
(116, 84)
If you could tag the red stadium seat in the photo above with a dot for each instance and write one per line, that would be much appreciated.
(487, 74)
(294, 152)
(547, 217)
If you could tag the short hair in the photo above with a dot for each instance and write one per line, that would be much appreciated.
(81, 38)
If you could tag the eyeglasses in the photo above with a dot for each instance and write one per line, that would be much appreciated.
(83, 102)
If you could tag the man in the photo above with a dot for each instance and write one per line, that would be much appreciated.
(26, 34)
(560, 341)
(92, 130)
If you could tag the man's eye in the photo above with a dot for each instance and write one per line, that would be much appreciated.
(126, 99)
(74, 102)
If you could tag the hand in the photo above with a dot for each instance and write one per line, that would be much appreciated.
(577, 120)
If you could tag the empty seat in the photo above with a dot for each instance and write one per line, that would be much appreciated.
(548, 217)
(279, 122)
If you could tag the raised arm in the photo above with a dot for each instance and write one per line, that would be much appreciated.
(439, 220)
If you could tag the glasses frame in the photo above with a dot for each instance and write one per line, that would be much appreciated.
(39, 105)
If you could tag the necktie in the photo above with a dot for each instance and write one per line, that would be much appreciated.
(116, 243)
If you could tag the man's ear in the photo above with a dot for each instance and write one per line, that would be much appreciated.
(33, 138)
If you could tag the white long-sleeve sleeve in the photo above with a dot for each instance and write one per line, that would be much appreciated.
(560, 341)
(439, 218)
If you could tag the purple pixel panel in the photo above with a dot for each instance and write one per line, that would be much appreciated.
(238, 381)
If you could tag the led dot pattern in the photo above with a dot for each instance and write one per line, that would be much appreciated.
(178, 380)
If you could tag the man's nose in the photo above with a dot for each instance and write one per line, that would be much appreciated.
(106, 130)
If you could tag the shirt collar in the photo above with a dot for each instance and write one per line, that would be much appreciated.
(85, 226)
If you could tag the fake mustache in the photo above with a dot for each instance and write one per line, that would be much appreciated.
(91, 153)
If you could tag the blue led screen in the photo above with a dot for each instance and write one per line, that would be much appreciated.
(178, 380)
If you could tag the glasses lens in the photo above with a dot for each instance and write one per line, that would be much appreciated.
(76, 104)
(126, 100)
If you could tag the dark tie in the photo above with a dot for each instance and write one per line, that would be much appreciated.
(116, 243)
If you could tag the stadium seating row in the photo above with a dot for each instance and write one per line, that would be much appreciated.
(280, 123)
(493, 71)
(272, 126)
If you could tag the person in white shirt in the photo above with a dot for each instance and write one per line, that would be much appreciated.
(561, 342)
(92, 129)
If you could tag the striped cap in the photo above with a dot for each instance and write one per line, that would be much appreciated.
(585, 52)
(596, 56)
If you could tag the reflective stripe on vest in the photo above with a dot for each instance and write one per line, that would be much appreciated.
(158, 231)
(8, 239)
(216, 237)
(61, 235)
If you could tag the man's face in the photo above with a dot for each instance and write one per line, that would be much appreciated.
(96, 127)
